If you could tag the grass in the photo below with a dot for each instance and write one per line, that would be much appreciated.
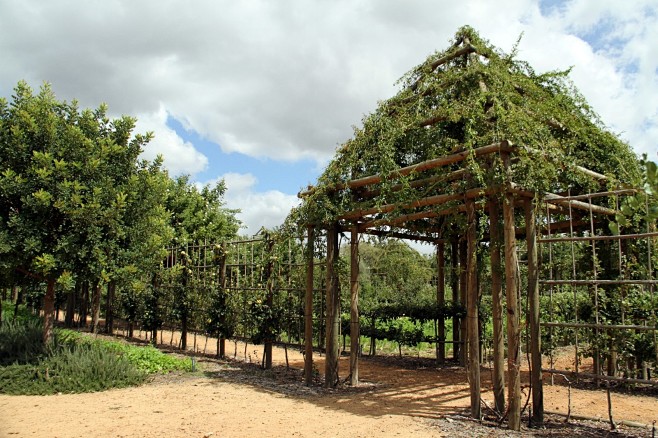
(74, 362)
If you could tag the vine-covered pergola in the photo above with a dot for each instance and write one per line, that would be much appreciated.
(475, 150)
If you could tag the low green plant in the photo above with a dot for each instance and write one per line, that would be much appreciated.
(85, 368)
(74, 362)
(21, 341)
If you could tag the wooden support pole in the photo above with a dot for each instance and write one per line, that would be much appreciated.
(308, 308)
(355, 332)
(441, 301)
(472, 325)
(454, 285)
(269, 279)
(463, 327)
(221, 340)
(497, 307)
(513, 329)
(332, 313)
(537, 419)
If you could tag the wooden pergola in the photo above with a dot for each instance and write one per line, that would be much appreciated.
(441, 197)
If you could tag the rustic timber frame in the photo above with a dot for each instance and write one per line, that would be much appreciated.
(429, 213)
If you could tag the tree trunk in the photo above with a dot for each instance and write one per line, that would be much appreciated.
(95, 306)
(109, 303)
(48, 309)
(84, 305)
(70, 305)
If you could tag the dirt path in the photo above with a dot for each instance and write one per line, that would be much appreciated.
(235, 398)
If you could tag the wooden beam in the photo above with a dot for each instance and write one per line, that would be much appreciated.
(432, 200)
(472, 319)
(452, 176)
(398, 235)
(308, 308)
(498, 376)
(355, 344)
(465, 50)
(537, 419)
(503, 146)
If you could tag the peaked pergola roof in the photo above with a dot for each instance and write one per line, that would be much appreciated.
(468, 123)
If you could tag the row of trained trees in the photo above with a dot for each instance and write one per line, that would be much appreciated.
(80, 212)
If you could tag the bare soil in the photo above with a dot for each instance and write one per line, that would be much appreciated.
(234, 397)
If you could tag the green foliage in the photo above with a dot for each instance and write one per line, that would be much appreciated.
(266, 320)
(21, 341)
(74, 362)
(469, 101)
(640, 209)
(86, 368)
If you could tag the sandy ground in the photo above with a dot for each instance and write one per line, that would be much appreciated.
(235, 399)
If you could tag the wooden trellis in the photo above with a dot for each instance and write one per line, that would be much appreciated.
(428, 214)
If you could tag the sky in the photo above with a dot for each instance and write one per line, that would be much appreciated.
(260, 93)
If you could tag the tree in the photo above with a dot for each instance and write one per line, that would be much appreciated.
(60, 207)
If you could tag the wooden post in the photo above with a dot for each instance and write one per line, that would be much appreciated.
(355, 332)
(221, 339)
(497, 307)
(513, 330)
(454, 285)
(269, 282)
(463, 328)
(308, 308)
(537, 419)
(472, 325)
(441, 301)
(332, 315)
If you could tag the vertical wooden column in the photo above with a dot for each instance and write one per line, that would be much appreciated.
(441, 301)
(269, 284)
(497, 306)
(454, 285)
(308, 307)
(472, 319)
(355, 329)
(463, 327)
(513, 329)
(332, 314)
(221, 338)
(533, 317)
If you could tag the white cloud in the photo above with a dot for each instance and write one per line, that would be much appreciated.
(180, 157)
(258, 209)
(288, 79)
